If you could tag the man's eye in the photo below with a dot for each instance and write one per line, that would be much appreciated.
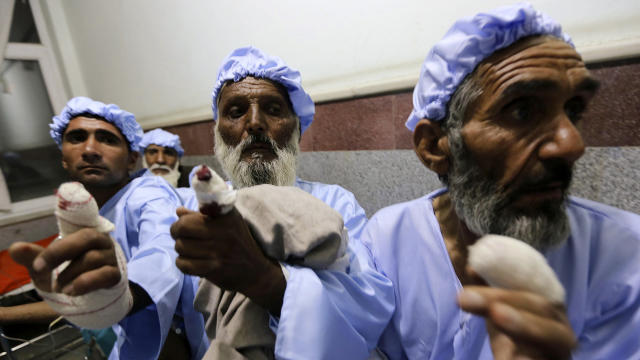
(235, 112)
(274, 109)
(108, 139)
(574, 108)
(521, 110)
(75, 137)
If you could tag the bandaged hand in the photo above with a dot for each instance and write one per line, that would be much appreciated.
(512, 264)
(81, 275)
(524, 307)
(214, 196)
(216, 244)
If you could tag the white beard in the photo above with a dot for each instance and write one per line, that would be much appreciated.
(280, 171)
(172, 176)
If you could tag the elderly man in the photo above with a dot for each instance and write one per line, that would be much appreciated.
(162, 152)
(261, 110)
(494, 116)
(99, 145)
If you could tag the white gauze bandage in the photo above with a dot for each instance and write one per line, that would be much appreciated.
(512, 264)
(76, 209)
(214, 195)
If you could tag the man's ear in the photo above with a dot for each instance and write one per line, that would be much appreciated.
(64, 164)
(133, 160)
(432, 146)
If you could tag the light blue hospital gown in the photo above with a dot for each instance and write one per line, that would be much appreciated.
(184, 193)
(599, 266)
(327, 314)
(143, 212)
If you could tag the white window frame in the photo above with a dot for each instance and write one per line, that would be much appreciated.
(44, 55)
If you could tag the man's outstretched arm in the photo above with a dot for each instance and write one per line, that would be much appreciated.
(231, 259)
(95, 273)
(33, 313)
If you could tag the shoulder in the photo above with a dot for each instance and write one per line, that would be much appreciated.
(413, 212)
(604, 247)
(406, 245)
(403, 230)
(322, 188)
(188, 198)
(587, 215)
(144, 189)
(602, 237)
(340, 200)
(333, 195)
(408, 215)
(599, 264)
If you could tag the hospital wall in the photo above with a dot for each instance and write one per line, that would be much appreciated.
(159, 58)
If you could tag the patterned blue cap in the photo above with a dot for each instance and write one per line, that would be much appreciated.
(250, 61)
(161, 138)
(466, 44)
(123, 120)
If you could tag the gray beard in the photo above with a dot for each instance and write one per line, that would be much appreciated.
(280, 171)
(172, 176)
(484, 206)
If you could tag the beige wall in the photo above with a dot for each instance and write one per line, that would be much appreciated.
(159, 58)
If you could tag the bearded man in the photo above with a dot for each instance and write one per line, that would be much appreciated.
(495, 113)
(162, 152)
(261, 110)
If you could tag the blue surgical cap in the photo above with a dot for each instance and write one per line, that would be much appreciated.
(123, 120)
(465, 45)
(162, 138)
(250, 61)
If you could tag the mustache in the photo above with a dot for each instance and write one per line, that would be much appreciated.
(160, 166)
(553, 172)
(258, 139)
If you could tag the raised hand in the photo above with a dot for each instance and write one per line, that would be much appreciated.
(520, 323)
(92, 262)
(221, 249)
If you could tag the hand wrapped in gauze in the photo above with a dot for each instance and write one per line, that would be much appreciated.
(214, 195)
(289, 224)
(76, 209)
(509, 263)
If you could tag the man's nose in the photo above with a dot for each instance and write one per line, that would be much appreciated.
(256, 122)
(160, 158)
(566, 142)
(91, 151)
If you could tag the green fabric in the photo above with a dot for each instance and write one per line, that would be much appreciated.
(105, 338)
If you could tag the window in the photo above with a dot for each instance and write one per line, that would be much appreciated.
(31, 92)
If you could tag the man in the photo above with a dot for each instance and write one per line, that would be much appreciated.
(99, 145)
(494, 116)
(162, 153)
(261, 110)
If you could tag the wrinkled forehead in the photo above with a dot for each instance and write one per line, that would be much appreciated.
(531, 56)
(249, 85)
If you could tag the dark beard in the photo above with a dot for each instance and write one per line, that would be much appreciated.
(486, 208)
